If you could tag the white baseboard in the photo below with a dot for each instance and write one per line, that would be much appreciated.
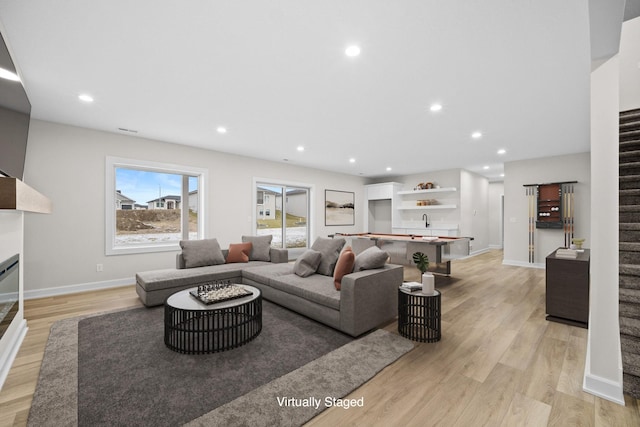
(495, 246)
(523, 264)
(13, 347)
(604, 388)
(74, 289)
(478, 252)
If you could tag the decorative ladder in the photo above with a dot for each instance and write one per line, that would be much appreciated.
(630, 250)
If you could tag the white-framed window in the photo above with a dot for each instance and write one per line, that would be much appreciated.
(159, 218)
(290, 222)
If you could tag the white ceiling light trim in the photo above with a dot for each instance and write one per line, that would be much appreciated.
(85, 98)
(352, 51)
(221, 129)
(435, 107)
(476, 135)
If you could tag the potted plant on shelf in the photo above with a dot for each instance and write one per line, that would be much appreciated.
(422, 263)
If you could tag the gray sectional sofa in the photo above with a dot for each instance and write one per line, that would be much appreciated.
(366, 299)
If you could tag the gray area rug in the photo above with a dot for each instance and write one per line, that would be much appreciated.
(295, 358)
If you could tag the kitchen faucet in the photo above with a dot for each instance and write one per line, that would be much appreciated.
(426, 220)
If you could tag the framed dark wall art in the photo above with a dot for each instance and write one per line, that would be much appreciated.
(339, 207)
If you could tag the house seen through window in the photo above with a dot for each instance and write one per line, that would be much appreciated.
(150, 210)
(283, 211)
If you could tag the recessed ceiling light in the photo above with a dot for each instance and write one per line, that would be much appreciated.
(502, 151)
(485, 167)
(476, 135)
(300, 148)
(221, 129)
(352, 160)
(388, 169)
(502, 175)
(352, 51)
(435, 107)
(9, 75)
(85, 98)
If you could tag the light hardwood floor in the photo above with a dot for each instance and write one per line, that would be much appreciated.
(499, 362)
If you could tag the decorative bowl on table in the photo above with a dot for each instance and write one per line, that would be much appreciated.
(577, 242)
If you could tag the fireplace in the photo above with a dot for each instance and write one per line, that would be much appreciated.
(9, 291)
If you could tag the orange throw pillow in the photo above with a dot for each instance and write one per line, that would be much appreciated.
(343, 266)
(239, 252)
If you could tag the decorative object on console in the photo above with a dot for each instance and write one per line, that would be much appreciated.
(566, 253)
(577, 242)
(339, 207)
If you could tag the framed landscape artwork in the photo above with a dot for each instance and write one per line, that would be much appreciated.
(339, 207)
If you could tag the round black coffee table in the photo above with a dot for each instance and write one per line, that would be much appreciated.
(192, 327)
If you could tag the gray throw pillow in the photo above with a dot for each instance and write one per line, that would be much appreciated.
(330, 250)
(370, 258)
(307, 263)
(198, 253)
(260, 247)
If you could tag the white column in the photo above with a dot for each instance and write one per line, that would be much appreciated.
(603, 370)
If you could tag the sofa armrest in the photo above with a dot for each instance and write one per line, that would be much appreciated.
(279, 255)
(369, 298)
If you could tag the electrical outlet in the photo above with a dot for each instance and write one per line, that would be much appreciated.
(99, 268)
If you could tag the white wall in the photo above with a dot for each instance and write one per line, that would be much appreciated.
(603, 369)
(11, 223)
(496, 191)
(629, 60)
(68, 165)
(573, 167)
(474, 209)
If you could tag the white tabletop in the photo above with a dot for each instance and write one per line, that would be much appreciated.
(183, 300)
(419, 293)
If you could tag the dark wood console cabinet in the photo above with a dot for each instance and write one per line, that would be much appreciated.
(567, 282)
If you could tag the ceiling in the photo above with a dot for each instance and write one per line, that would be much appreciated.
(276, 76)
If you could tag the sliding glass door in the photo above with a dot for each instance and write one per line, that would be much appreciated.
(283, 212)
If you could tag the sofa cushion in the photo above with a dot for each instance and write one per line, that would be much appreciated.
(264, 273)
(330, 250)
(316, 288)
(260, 247)
(370, 258)
(343, 266)
(180, 278)
(198, 253)
(239, 252)
(307, 263)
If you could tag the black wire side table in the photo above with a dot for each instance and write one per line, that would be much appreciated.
(419, 315)
(191, 327)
